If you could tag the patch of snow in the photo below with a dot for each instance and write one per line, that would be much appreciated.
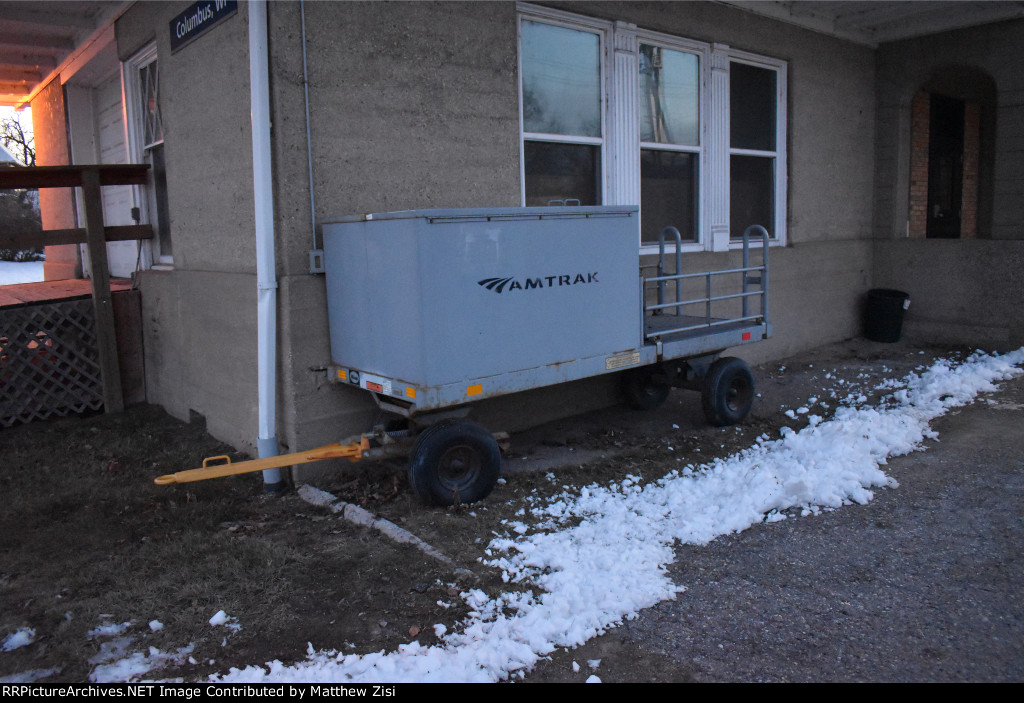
(108, 629)
(12, 272)
(28, 676)
(112, 650)
(138, 664)
(19, 638)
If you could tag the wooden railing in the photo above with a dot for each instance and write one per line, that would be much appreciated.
(95, 236)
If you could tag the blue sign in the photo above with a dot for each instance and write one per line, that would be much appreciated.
(197, 19)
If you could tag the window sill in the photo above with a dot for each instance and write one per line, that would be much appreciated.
(670, 248)
(737, 245)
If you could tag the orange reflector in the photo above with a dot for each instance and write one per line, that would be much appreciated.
(746, 336)
(475, 390)
(343, 374)
(410, 392)
(376, 387)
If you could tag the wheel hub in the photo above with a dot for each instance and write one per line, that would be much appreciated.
(458, 466)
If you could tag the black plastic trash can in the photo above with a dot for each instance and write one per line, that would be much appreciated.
(883, 317)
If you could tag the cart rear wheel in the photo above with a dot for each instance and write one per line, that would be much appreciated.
(454, 461)
(728, 391)
(641, 390)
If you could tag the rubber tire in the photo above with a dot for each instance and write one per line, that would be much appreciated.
(728, 391)
(454, 462)
(641, 391)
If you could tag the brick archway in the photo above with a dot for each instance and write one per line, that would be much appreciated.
(952, 155)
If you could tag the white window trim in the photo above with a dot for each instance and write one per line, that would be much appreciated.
(620, 140)
(150, 255)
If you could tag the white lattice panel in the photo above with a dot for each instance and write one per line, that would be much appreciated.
(48, 361)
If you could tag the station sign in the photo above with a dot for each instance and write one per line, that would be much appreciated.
(198, 18)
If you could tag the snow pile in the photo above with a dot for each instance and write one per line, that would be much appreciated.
(221, 618)
(20, 272)
(18, 638)
(30, 676)
(611, 562)
(108, 629)
(137, 664)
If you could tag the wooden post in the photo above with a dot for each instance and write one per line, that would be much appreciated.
(106, 334)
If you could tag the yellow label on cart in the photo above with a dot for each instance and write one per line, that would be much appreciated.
(621, 361)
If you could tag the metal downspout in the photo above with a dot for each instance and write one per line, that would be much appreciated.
(266, 281)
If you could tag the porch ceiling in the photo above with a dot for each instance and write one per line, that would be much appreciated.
(872, 23)
(37, 39)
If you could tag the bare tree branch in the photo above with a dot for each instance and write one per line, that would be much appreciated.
(18, 139)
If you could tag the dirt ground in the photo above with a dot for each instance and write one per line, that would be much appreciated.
(86, 539)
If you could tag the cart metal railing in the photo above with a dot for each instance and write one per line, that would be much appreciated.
(749, 280)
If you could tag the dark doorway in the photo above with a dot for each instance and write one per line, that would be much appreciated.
(945, 167)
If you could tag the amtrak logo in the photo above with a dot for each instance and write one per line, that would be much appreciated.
(512, 283)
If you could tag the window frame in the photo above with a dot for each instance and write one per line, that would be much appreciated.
(780, 155)
(139, 150)
(620, 143)
(703, 53)
(571, 21)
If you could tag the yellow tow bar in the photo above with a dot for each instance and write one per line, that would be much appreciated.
(352, 452)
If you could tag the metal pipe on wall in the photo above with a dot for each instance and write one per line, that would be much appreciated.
(266, 279)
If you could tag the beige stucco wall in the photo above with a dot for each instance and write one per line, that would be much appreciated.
(199, 316)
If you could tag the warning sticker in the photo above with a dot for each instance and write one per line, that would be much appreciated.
(621, 361)
(377, 384)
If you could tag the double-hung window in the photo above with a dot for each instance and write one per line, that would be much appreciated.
(146, 140)
(754, 149)
(669, 88)
(693, 133)
(562, 113)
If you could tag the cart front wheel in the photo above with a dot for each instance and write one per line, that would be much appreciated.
(641, 390)
(453, 462)
(728, 391)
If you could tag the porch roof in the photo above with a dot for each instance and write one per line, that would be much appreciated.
(40, 40)
(873, 23)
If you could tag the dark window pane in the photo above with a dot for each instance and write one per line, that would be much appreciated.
(669, 96)
(562, 172)
(751, 107)
(668, 194)
(159, 209)
(561, 80)
(751, 194)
